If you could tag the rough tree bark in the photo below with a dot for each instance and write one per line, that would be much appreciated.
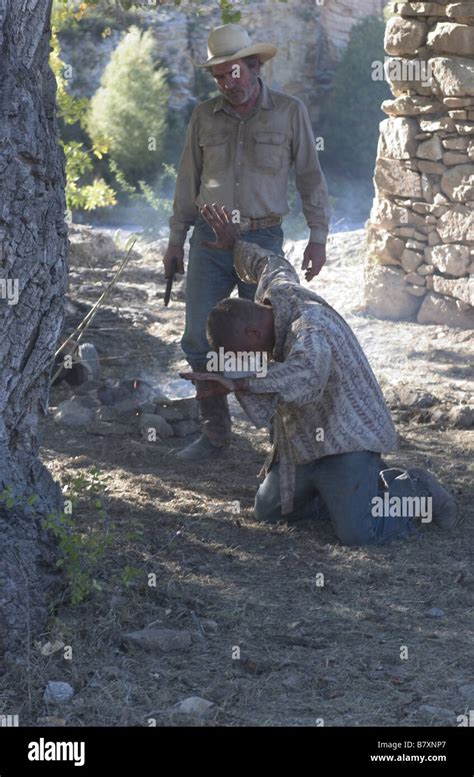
(33, 243)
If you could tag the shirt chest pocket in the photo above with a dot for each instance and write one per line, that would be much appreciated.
(215, 150)
(270, 151)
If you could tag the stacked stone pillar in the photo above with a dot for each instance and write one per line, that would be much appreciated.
(420, 262)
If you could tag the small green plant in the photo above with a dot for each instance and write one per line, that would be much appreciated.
(81, 552)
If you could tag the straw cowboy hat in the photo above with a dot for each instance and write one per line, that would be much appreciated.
(232, 41)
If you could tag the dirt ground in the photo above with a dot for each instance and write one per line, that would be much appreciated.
(310, 654)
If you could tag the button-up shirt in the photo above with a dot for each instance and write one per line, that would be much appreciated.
(244, 163)
(319, 392)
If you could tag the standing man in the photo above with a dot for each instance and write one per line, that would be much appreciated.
(238, 151)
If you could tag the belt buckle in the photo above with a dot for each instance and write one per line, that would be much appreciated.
(245, 224)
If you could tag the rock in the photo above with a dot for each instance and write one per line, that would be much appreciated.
(386, 294)
(165, 640)
(148, 422)
(462, 289)
(185, 428)
(169, 413)
(74, 412)
(397, 138)
(411, 260)
(194, 705)
(462, 416)
(413, 105)
(454, 75)
(393, 178)
(451, 38)
(388, 215)
(404, 36)
(90, 247)
(415, 279)
(436, 309)
(414, 398)
(105, 413)
(384, 247)
(452, 259)
(455, 144)
(433, 168)
(58, 692)
(458, 183)
(453, 158)
(407, 75)
(426, 269)
(436, 612)
(430, 149)
(456, 225)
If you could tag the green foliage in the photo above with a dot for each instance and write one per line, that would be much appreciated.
(129, 110)
(83, 190)
(81, 553)
(351, 119)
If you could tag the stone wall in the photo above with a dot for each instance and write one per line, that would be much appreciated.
(421, 228)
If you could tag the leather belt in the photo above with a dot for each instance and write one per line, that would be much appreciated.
(249, 225)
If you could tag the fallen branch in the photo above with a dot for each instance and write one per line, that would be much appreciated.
(89, 317)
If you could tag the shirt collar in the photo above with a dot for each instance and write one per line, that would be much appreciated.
(264, 99)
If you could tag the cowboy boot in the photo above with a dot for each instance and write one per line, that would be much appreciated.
(216, 430)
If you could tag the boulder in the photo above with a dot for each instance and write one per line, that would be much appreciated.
(458, 183)
(149, 421)
(404, 36)
(436, 309)
(384, 247)
(452, 38)
(58, 692)
(454, 76)
(456, 225)
(461, 10)
(397, 138)
(77, 411)
(452, 259)
(430, 149)
(386, 295)
(392, 177)
(411, 260)
(462, 289)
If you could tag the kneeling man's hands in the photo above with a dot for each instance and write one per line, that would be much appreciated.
(208, 385)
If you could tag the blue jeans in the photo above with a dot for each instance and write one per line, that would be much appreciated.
(342, 487)
(211, 278)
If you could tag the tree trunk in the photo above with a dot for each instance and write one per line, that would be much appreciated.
(33, 243)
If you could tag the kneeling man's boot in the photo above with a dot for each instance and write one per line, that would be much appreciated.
(445, 509)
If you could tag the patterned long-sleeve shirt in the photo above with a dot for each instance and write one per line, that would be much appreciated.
(244, 163)
(319, 391)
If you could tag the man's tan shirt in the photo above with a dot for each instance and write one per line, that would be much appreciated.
(244, 163)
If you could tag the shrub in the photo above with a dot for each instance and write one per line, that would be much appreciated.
(129, 110)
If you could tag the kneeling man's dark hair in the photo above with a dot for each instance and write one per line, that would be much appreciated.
(228, 320)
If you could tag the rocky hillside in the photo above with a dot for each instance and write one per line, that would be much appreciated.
(310, 38)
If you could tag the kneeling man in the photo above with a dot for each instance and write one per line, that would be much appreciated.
(319, 396)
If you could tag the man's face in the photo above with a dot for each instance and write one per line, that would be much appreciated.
(235, 80)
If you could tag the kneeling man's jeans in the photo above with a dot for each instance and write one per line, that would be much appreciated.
(345, 484)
